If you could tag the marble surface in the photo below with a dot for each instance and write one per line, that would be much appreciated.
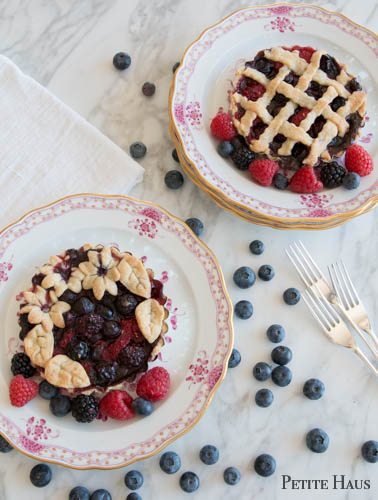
(68, 46)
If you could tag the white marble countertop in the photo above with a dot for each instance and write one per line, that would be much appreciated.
(68, 46)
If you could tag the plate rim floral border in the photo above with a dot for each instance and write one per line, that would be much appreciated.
(207, 187)
(213, 387)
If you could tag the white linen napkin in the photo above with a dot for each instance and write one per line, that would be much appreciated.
(48, 151)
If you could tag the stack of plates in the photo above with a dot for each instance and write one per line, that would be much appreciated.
(201, 86)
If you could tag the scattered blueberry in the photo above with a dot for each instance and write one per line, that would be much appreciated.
(280, 181)
(60, 405)
(175, 155)
(264, 398)
(276, 333)
(231, 476)
(244, 277)
(189, 482)
(292, 296)
(133, 496)
(142, 407)
(174, 179)
(175, 66)
(79, 493)
(101, 494)
(225, 148)
(265, 465)
(317, 440)
(121, 60)
(83, 306)
(266, 272)
(40, 475)
(281, 376)
(47, 391)
(243, 309)
(209, 454)
(256, 247)
(138, 149)
(5, 447)
(313, 388)
(148, 89)
(369, 451)
(281, 355)
(235, 359)
(133, 480)
(195, 225)
(351, 180)
(262, 371)
(170, 462)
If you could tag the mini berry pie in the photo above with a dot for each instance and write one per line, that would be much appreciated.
(92, 319)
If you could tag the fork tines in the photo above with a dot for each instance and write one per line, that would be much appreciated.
(305, 265)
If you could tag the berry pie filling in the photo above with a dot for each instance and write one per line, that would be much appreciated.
(93, 318)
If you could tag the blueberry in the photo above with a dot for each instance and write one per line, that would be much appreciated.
(235, 359)
(142, 407)
(317, 440)
(134, 480)
(266, 272)
(189, 482)
(262, 371)
(170, 462)
(83, 306)
(292, 296)
(101, 494)
(126, 304)
(105, 312)
(276, 333)
(47, 391)
(112, 330)
(175, 66)
(244, 277)
(138, 149)
(351, 180)
(174, 179)
(133, 496)
(265, 465)
(281, 376)
(121, 60)
(148, 89)
(195, 225)
(280, 181)
(68, 296)
(231, 476)
(243, 309)
(225, 148)
(281, 355)
(369, 451)
(79, 493)
(60, 405)
(209, 454)
(175, 155)
(264, 398)
(313, 388)
(40, 475)
(256, 247)
(5, 447)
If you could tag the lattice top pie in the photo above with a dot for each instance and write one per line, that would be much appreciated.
(297, 105)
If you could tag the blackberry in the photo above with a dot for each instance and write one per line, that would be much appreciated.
(89, 325)
(132, 355)
(126, 304)
(21, 365)
(106, 373)
(242, 157)
(84, 408)
(78, 350)
(332, 174)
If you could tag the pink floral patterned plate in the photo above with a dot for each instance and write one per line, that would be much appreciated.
(201, 86)
(198, 342)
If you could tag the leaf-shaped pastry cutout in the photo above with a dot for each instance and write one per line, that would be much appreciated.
(159, 346)
(134, 277)
(62, 371)
(150, 315)
(39, 345)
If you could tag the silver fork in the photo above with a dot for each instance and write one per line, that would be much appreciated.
(315, 280)
(332, 324)
(347, 295)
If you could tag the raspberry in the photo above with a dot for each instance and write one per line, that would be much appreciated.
(358, 160)
(66, 339)
(89, 325)
(154, 385)
(304, 52)
(254, 91)
(117, 405)
(305, 181)
(263, 171)
(222, 127)
(299, 116)
(22, 390)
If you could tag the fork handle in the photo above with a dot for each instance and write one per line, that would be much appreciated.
(362, 356)
(371, 334)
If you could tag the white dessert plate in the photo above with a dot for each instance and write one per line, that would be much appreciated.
(198, 343)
